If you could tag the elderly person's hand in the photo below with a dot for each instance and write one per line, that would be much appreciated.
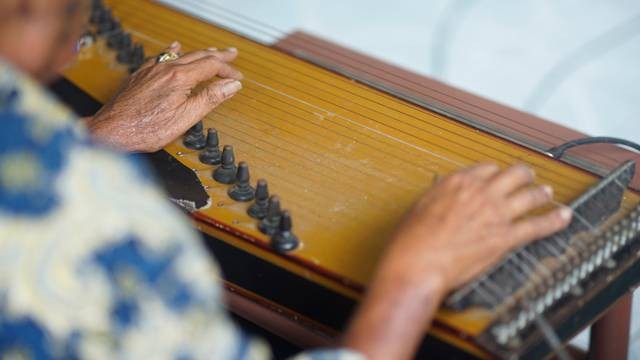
(459, 228)
(161, 101)
(471, 218)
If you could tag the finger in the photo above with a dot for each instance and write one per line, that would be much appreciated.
(211, 96)
(511, 179)
(227, 55)
(529, 229)
(192, 56)
(174, 47)
(527, 199)
(483, 171)
(209, 67)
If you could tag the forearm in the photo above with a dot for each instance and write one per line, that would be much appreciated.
(103, 132)
(395, 313)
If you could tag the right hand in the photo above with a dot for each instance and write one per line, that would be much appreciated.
(469, 220)
(459, 228)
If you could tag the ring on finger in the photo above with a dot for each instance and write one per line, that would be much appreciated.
(167, 57)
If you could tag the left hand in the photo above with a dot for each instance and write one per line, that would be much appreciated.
(158, 103)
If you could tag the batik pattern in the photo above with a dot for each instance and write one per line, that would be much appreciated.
(94, 262)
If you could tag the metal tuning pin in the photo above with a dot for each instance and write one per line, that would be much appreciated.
(194, 138)
(211, 155)
(258, 210)
(284, 240)
(242, 190)
(271, 222)
(226, 172)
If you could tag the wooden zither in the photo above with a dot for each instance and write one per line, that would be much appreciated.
(297, 182)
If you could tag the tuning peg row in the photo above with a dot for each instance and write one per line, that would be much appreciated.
(108, 26)
(272, 220)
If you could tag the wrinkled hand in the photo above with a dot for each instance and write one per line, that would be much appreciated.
(158, 102)
(460, 227)
(469, 220)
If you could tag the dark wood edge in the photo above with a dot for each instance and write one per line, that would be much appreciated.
(276, 320)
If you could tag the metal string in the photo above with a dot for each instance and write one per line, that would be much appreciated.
(378, 132)
(520, 268)
(551, 337)
(521, 256)
(276, 34)
(383, 105)
(524, 253)
(431, 153)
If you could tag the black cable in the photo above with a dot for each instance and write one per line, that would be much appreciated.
(558, 151)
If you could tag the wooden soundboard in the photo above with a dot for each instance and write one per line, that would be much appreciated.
(345, 159)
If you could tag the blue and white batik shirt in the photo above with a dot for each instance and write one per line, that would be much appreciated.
(94, 262)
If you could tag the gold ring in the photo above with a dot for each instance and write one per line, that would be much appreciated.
(167, 57)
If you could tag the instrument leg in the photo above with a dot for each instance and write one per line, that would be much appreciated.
(610, 334)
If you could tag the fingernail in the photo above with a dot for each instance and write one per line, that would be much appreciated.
(231, 88)
(565, 213)
(174, 44)
(548, 190)
(212, 49)
(232, 49)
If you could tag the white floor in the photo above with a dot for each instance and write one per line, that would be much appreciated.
(576, 62)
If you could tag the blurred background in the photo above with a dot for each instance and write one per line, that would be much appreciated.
(575, 62)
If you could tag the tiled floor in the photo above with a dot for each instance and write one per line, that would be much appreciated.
(574, 61)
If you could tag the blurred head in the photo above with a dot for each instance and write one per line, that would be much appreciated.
(39, 36)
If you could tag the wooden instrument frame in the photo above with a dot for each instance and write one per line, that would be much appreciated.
(225, 233)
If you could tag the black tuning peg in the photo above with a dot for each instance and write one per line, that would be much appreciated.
(96, 16)
(284, 240)
(226, 172)
(211, 155)
(108, 24)
(137, 58)
(124, 55)
(270, 223)
(114, 39)
(242, 190)
(119, 40)
(132, 56)
(194, 138)
(258, 210)
(98, 13)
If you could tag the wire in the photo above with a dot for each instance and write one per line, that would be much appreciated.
(558, 151)
(552, 338)
(259, 59)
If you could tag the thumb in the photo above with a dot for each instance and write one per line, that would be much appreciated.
(212, 95)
